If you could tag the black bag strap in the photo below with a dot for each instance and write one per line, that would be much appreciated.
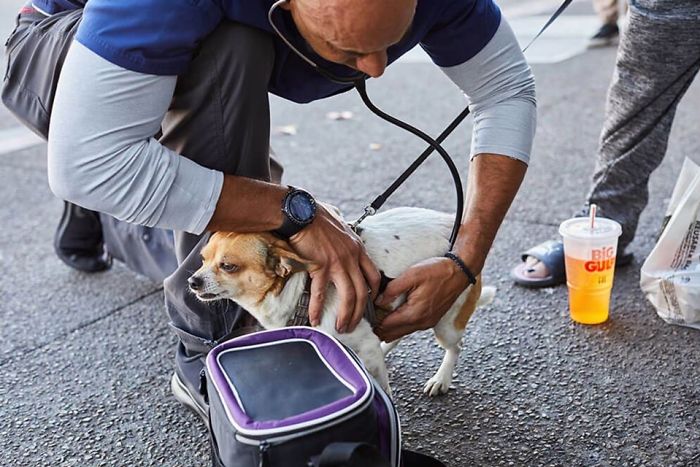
(417, 459)
(366, 455)
(350, 455)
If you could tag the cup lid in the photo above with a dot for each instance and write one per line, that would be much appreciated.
(579, 227)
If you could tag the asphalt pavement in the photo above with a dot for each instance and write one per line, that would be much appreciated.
(85, 360)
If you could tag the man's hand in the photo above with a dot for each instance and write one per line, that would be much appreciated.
(339, 257)
(247, 205)
(431, 286)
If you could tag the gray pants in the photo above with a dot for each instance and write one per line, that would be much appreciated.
(220, 118)
(658, 58)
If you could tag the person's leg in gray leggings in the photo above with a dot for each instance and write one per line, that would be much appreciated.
(220, 118)
(658, 58)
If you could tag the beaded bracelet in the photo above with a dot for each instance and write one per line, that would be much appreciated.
(463, 267)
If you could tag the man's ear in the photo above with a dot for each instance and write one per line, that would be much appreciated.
(284, 261)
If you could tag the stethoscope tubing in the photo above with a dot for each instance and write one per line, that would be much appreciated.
(435, 145)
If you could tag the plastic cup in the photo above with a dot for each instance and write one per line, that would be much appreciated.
(590, 266)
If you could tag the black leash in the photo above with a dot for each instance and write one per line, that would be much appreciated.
(434, 145)
(565, 4)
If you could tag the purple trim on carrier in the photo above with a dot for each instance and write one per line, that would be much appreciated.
(329, 350)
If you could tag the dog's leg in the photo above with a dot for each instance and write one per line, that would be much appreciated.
(367, 346)
(373, 359)
(388, 347)
(449, 332)
(440, 382)
(380, 373)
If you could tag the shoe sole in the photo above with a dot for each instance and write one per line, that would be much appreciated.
(183, 395)
(600, 43)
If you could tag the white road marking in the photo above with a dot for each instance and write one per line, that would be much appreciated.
(566, 37)
(534, 7)
(17, 138)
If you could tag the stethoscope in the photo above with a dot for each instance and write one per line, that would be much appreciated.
(357, 80)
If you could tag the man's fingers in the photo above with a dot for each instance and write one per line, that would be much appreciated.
(319, 284)
(400, 322)
(396, 325)
(346, 294)
(398, 318)
(396, 287)
(392, 335)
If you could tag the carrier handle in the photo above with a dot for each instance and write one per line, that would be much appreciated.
(349, 455)
(417, 459)
(366, 455)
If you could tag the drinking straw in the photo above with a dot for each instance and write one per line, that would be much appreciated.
(591, 215)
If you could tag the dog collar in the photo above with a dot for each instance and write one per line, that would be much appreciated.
(300, 317)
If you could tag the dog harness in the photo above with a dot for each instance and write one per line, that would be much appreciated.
(373, 315)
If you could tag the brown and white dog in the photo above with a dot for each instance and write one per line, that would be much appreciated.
(262, 273)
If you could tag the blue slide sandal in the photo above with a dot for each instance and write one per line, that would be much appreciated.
(551, 255)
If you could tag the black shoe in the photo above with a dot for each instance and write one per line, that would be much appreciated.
(78, 240)
(608, 34)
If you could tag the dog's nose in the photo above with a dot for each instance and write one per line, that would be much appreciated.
(195, 282)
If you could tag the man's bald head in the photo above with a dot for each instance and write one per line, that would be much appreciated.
(353, 32)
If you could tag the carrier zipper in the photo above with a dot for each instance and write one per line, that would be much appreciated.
(269, 442)
(203, 385)
(262, 453)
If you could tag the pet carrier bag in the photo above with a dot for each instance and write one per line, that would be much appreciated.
(296, 397)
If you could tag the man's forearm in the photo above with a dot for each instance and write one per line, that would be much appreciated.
(112, 164)
(248, 205)
(493, 183)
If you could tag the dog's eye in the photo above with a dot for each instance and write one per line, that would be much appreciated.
(228, 267)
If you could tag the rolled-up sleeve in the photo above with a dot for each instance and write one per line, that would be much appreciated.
(500, 88)
(102, 154)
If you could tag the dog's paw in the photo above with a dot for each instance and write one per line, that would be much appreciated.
(437, 385)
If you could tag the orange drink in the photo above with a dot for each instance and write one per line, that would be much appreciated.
(590, 266)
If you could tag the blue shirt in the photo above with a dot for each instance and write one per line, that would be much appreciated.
(160, 36)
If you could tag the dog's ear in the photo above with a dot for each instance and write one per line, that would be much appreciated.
(284, 261)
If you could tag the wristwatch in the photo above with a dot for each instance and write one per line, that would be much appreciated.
(298, 211)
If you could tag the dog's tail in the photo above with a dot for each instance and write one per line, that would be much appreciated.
(487, 295)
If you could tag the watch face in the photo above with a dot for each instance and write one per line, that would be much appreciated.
(301, 208)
